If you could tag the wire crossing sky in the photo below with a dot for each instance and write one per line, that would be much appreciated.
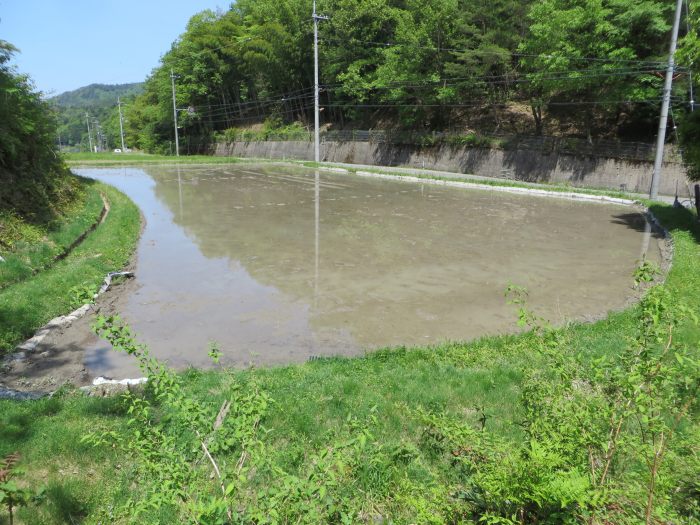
(67, 44)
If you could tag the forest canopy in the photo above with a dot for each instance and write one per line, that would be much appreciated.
(573, 67)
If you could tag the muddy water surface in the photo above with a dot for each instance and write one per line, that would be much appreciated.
(278, 264)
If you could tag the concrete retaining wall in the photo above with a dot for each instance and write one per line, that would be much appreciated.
(525, 165)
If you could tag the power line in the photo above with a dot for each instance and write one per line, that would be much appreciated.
(304, 93)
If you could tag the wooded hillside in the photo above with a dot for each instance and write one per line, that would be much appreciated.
(574, 67)
(95, 103)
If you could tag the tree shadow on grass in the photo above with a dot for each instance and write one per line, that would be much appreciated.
(65, 506)
(677, 219)
(17, 422)
(16, 427)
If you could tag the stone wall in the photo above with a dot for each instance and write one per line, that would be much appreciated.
(526, 165)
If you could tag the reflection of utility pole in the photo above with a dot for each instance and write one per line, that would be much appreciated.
(663, 119)
(316, 137)
(179, 189)
(646, 239)
(121, 124)
(177, 140)
(317, 194)
(87, 119)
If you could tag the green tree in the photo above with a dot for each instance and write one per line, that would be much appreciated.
(689, 57)
(599, 54)
(33, 179)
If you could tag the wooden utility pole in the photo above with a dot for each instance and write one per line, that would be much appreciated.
(121, 124)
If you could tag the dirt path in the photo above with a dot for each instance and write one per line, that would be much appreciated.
(59, 359)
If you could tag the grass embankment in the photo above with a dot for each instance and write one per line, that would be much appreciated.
(34, 287)
(472, 179)
(128, 159)
(478, 383)
(33, 248)
(120, 159)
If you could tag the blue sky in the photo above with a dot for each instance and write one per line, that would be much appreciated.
(66, 44)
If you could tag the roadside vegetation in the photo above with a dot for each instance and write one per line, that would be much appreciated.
(593, 423)
(44, 212)
(39, 288)
(35, 185)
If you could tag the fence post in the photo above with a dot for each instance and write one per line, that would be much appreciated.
(697, 199)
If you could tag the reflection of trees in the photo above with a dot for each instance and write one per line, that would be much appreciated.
(245, 221)
(395, 259)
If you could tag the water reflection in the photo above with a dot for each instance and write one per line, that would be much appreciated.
(228, 255)
(317, 214)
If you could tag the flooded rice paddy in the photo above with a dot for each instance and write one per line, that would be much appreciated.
(279, 264)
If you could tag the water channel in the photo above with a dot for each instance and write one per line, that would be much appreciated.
(279, 264)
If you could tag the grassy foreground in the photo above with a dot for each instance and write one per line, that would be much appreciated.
(396, 471)
(34, 287)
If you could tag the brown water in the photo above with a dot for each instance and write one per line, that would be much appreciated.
(279, 264)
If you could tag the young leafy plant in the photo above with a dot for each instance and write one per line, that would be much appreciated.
(176, 438)
(12, 495)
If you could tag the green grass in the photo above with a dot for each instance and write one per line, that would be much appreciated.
(28, 304)
(127, 159)
(313, 401)
(36, 248)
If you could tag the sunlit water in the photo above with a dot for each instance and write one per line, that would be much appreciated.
(279, 264)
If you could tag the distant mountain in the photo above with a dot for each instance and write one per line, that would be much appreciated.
(96, 95)
(98, 103)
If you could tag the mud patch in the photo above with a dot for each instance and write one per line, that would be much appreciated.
(58, 359)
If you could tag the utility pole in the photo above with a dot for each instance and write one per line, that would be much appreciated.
(177, 140)
(121, 124)
(316, 119)
(663, 119)
(87, 119)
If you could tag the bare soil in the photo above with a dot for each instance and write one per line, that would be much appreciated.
(60, 358)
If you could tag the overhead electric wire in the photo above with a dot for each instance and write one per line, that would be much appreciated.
(270, 100)
(259, 116)
(303, 93)
(234, 108)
